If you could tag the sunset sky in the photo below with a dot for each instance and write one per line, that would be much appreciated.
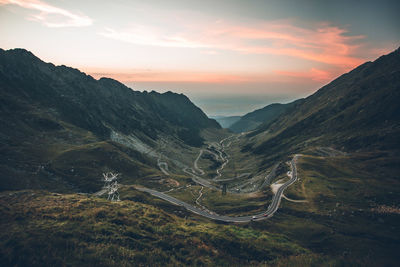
(229, 57)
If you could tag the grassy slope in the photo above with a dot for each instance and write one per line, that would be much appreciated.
(40, 151)
(57, 161)
(340, 218)
(40, 228)
(339, 225)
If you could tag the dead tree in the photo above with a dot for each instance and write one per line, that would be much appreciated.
(111, 185)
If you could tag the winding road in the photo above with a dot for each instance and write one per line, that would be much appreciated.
(163, 166)
(198, 179)
(195, 166)
(272, 208)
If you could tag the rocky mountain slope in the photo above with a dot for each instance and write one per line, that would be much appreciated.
(359, 111)
(99, 106)
(59, 124)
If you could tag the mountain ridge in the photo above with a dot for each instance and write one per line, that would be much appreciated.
(59, 124)
(226, 121)
(72, 89)
(358, 110)
(254, 119)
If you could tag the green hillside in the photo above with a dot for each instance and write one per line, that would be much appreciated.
(265, 115)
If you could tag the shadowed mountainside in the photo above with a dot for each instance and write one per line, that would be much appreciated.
(97, 105)
(226, 121)
(58, 123)
(267, 114)
(360, 110)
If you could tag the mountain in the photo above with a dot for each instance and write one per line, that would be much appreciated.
(252, 120)
(59, 124)
(359, 111)
(99, 106)
(226, 121)
(61, 130)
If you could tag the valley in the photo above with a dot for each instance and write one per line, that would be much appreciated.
(315, 183)
(201, 210)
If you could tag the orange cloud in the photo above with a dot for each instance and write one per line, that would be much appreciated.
(313, 74)
(331, 49)
(172, 76)
(49, 15)
(278, 76)
(321, 43)
(144, 35)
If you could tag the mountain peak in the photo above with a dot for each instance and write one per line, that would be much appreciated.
(100, 106)
(21, 52)
(111, 82)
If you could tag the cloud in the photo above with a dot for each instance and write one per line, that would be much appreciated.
(172, 76)
(210, 52)
(49, 15)
(182, 76)
(313, 74)
(319, 42)
(144, 35)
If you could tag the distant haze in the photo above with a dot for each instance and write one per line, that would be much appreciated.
(228, 56)
(236, 103)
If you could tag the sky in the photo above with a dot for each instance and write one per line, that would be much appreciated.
(228, 57)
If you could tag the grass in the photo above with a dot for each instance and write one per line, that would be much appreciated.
(41, 228)
(339, 220)
(339, 223)
(57, 159)
(229, 204)
(235, 204)
(338, 226)
(188, 194)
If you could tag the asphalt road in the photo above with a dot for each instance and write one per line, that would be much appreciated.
(272, 208)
